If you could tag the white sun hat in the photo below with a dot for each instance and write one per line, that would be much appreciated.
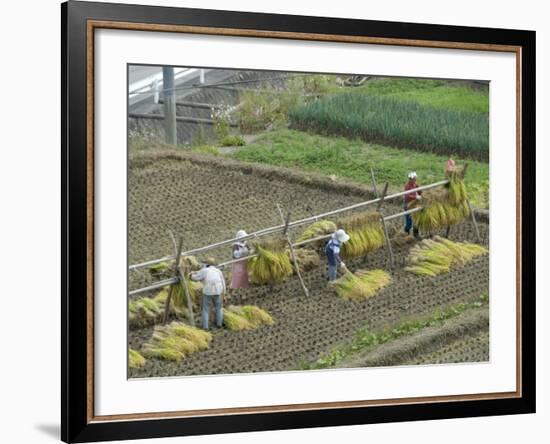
(240, 234)
(341, 236)
(412, 175)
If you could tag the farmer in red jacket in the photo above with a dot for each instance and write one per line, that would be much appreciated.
(408, 199)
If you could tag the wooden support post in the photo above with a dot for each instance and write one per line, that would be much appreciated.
(292, 254)
(381, 202)
(374, 187)
(385, 226)
(173, 286)
(187, 296)
(474, 221)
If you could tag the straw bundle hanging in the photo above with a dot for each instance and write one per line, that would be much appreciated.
(320, 228)
(442, 207)
(272, 263)
(365, 231)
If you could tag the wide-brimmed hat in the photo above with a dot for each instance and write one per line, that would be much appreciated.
(240, 234)
(412, 175)
(209, 261)
(341, 236)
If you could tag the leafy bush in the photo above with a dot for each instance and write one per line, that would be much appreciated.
(232, 141)
(398, 122)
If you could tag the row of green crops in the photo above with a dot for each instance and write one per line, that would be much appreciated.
(397, 122)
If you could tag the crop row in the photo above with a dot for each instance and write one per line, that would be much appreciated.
(405, 124)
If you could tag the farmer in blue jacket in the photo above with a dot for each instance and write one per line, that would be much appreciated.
(332, 250)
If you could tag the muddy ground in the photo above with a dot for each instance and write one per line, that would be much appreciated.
(209, 200)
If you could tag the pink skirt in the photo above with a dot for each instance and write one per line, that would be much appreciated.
(240, 275)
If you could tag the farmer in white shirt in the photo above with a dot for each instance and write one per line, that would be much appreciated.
(213, 290)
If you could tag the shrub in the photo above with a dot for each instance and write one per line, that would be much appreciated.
(232, 141)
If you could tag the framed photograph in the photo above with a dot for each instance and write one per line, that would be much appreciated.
(275, 221)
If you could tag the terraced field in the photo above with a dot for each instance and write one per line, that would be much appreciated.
(207, 199)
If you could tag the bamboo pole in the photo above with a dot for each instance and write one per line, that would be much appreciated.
(474, 221)
(280, 228)
(176, 276)
(385, 226)
(294, 260)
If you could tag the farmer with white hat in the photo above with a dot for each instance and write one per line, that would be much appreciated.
(212, 290)
(408, 199)
(240, 270)
(332, 250)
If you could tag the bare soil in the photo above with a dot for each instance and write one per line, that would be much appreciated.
(209, 199)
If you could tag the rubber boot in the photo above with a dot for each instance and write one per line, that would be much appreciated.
(416, 233)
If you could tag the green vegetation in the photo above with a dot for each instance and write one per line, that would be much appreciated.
(232, 141)
(175, 341)
(246, 317)
(435, 93)
(361, 285)
(408, 124)
(433, 257)
(353, 159)
(366, 340)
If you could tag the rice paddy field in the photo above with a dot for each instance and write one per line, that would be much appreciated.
(207, 198)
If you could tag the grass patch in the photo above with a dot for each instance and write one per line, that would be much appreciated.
(246, 317)
(378, 118)
(352, 159)
(232, 141)
(433, 257)
(434, 93)
(366, 340)
(135, 359)
(175, 341)
(361, 285)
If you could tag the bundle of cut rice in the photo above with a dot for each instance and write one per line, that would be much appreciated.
(433, 257)
(175, 341)
(316, 229)
(187, 263)
(246, 317)
(365, 231)
(272, 263)
(361, 285)
(135, 359)
(307, 259)
(438, 211)
(146, 311)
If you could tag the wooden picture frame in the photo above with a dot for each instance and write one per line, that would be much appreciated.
(79, 22)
